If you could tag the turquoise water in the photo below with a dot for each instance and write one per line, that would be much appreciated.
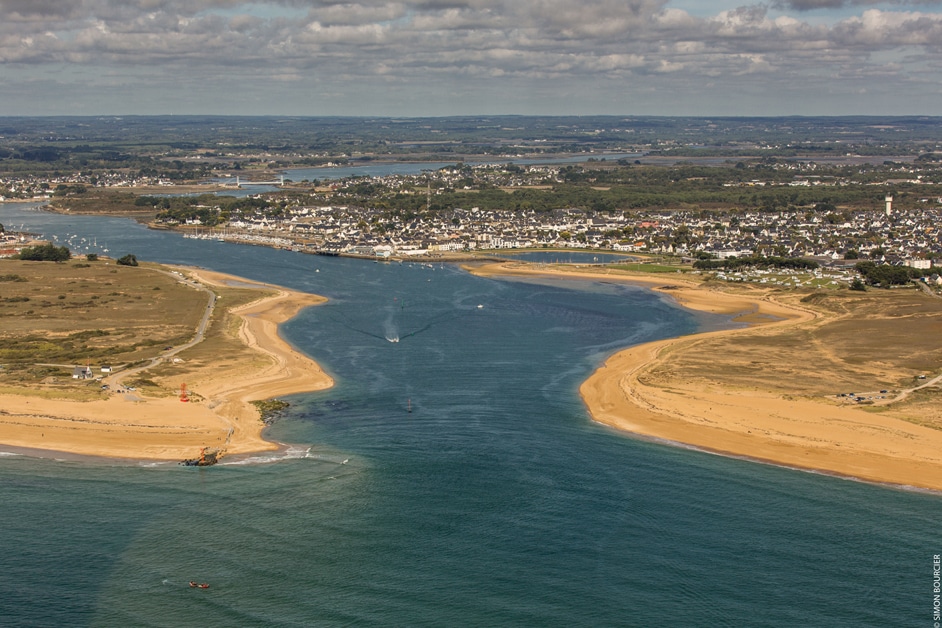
(496, 501)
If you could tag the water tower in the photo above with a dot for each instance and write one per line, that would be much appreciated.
(889, 204)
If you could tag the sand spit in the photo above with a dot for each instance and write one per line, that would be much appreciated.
(630, 392)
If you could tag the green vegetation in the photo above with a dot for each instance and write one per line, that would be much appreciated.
(739, 263)
(270, 409)
(40, 348)
(63, 314)
(647, 268)
(127, 260)
(209, 209)
(885, 276)
(777, 151)
(160, 144)
(45, 253)
(764, 164)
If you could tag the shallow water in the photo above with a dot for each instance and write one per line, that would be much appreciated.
(495, 501)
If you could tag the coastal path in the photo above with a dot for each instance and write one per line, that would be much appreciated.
(115, 380)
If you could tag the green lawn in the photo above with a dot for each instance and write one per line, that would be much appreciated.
(648, 268)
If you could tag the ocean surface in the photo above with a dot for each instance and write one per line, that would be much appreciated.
(495, 502)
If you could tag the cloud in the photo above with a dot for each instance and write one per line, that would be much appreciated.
(811, 5)
(352, 44)
(880, 29)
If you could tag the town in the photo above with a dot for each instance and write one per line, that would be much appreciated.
(797, 194)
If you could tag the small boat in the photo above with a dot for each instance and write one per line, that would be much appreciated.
(198, 585)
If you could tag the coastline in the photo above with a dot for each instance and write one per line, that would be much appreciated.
(752, 424)
(146, 428)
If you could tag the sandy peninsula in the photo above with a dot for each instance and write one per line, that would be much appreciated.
(651, 389)
(220, 414)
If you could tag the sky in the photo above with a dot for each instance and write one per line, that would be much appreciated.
(471, 57)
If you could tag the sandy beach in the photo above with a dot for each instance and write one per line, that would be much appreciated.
(635, 391)
(220, 415)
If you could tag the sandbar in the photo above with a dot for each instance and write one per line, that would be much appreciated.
(789, 430)
(131, 426)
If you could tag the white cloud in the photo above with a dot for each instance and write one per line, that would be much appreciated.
(498, 44)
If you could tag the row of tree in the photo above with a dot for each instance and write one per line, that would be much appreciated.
(756, 261)
(51, 253)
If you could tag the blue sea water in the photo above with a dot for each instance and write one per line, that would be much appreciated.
(495, 502)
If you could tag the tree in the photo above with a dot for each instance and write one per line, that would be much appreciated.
(858, 285)
(45, 253)
(884, 275)
(91, 257)
(128, 260)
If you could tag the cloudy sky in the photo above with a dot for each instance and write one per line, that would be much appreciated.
(456, 57)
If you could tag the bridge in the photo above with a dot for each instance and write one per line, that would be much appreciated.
(239, 183)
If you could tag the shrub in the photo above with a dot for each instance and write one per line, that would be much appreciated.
(45, 253)
(884, 275)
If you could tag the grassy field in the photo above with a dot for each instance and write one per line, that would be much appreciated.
(96, 313)
(649, 268)
(860, 342)
(220, 351)
(103, 201)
